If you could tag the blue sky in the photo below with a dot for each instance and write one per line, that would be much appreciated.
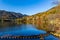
(28, 7)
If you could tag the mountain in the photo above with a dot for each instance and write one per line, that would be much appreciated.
(53, 10)
(9, 15)
(46, 20)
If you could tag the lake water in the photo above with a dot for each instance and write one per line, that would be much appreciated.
(24, 30)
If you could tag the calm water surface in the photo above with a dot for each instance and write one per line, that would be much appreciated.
(24, 30)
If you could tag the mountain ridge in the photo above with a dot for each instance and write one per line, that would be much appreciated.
(8, 14)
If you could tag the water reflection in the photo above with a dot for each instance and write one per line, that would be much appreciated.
(22, 29)
(12, 29)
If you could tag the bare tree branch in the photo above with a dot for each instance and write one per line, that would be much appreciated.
(56, 2)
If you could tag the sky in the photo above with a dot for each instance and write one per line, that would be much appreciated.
(29, 7)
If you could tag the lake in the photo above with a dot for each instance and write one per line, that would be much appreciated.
(24, 30)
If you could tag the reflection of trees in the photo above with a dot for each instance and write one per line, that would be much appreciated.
(6, 24)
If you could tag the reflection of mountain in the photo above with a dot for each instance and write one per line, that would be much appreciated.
(6, 14)
(45, 18)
